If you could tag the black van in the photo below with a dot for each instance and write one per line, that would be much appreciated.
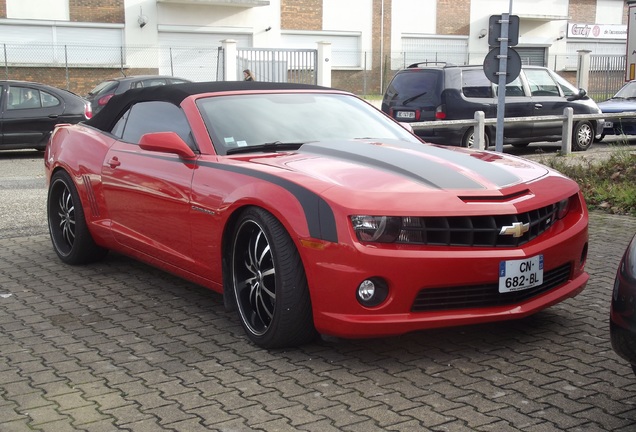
(427, 93)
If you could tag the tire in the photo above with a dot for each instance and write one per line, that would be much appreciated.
(72, 241)
(468, 140)
(269, 282)
(582, 136)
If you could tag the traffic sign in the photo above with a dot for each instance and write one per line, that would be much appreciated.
(491, 65)
(494, 30)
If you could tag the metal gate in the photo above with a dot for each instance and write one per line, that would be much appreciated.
(278, 64)
(607, 75)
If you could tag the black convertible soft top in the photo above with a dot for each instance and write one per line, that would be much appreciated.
(176, 93)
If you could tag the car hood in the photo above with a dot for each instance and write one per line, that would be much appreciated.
(352, 168)
(614, 106)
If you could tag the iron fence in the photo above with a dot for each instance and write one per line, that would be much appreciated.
(278, 65)
(607, 75)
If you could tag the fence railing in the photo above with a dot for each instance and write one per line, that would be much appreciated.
(479, 122)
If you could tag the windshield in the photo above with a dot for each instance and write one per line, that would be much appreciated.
(103, 87)
(627, 91)
(421, 86)
(256, 119)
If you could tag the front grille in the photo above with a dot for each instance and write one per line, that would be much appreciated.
(476, 296)
(475, 230)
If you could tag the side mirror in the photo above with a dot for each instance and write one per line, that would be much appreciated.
(166, 142)
(582, 94)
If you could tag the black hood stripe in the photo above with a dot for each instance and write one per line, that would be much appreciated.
(392, 157)
(320, 218)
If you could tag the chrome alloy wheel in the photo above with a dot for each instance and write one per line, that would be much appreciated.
(254, 277)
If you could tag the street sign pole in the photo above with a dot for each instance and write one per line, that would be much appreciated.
(630, 64)
(503, 70)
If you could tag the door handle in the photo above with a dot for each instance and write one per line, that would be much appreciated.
(114, 162)
(537, 106)
(53, 116)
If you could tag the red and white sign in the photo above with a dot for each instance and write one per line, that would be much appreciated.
(597, 31)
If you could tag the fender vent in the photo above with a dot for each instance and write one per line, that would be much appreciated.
(90, 193)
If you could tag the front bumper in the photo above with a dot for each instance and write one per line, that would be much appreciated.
(334, 279)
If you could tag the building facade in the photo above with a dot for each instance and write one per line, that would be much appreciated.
(77, 43)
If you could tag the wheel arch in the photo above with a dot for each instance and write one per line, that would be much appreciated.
(296, 228)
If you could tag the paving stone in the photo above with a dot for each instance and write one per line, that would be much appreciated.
(121, 346)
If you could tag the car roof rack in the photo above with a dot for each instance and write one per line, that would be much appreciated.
(414, 65)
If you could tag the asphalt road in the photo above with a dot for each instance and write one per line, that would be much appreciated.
(118, 345)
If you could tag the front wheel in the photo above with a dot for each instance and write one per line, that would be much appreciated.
(69, 232)
(269, 282)
(582, 136)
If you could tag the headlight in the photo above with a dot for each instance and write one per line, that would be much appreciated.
(381, 229)
(563, 207)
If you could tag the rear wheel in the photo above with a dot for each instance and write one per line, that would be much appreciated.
(468, 139)
(582, 136)
(269, 282)
(69, 232)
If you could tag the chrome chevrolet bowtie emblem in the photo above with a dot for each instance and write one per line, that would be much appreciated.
(517, 229)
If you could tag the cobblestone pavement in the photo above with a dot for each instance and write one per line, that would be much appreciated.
(119, 345)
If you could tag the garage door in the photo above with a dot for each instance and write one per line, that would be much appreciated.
(534, 56)
(195, 56)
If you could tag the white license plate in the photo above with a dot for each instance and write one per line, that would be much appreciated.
(517, 275)
(405, 115)
(608, 124)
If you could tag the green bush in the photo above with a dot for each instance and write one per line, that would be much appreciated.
(608, 184)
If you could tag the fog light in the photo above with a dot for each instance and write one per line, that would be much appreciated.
(371, 292)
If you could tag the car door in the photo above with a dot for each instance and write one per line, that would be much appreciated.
(148, 192)
(30, 115)
(546, 100)
(518, 104)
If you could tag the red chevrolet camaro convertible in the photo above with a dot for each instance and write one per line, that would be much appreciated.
(313, 212)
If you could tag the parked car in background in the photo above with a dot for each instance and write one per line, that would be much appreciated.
(623, 307)
(623, 101)
(313, 212)
(101, 94)
(428, 93)
(29, 111)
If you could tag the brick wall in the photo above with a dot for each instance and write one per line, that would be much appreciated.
(582, 11)
(99, 11)
(301, 15)
(453, 17)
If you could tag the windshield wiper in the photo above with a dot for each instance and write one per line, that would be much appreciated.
(412, 98)
(266, 147)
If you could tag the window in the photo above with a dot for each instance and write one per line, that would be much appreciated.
(475, 84)
(420, 85)
(48, 100)
(29, 98)
(148, 117)
(515, 88)
(541, 83)
(152, 82)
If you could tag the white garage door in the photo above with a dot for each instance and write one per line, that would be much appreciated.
(195, 56)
